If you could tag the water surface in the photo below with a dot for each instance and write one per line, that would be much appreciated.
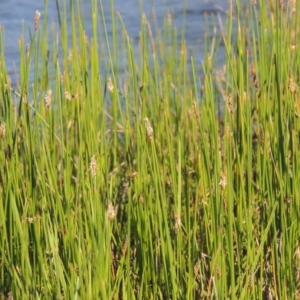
(18, 14)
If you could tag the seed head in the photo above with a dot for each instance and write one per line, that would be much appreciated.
(169, 19)
(251, 280)
(93, 166)
(281, 5)
(111, 211)
(70, 96)
(8, 83)
(195, 109)
(262, 134)
(10, 296)
(254, 76)
(124, 248)
(133, 175)
(294, 6)
(227, 130)
(110, 85)
(48, 99)
(292, 86)
(177, 223)
(296, 260)
(229, 103)
(223, 181)
(149, 129)
(197, 271)
(2, 131)
(36, 20)
(141, 198)
(25, 98)
(27, 50)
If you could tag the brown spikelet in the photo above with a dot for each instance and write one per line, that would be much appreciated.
(197, 271)
(219, 272)
(261, 135)
(267, 295)
(70, 96)
(281, 5)
(8, 83)
(177, 223)
(111, 211)
(141, 198)
(293, 6)
(48, 99)
(292, 86)
(297, 265)
(110, 85)
(25, 98)
(223, 181)
(254, 76)
(27, 50)
(195, 110)
(229, 103)
(149, 129)
(124, 248)
(2, 131)
(251, 279)
(36, 20)
(227, 130)
(93, 166)
(133, 175)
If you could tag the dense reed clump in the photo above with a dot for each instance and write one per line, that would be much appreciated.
(167, 180)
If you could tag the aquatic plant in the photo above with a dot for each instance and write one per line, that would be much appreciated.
(167, 180)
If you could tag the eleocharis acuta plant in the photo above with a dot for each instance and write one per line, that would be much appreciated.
(129, 170)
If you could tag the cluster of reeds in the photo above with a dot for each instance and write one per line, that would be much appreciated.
(167, 180)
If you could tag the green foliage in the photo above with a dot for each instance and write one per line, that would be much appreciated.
(154, 182)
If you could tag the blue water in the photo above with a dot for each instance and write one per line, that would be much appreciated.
(18, 14)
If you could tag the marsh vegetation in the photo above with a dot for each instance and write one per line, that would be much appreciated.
(168, 180)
